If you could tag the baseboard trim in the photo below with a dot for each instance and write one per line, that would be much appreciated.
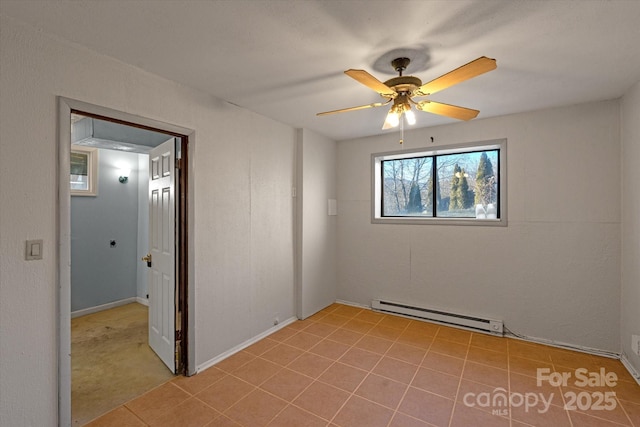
(209, 363)
(102, 307)
(563, 346)
(353, 304)
(143, 301)
(627, 364)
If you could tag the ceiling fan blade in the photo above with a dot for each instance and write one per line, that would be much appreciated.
(460, 113)
(466, 72)
(371, 82)
(361, 107)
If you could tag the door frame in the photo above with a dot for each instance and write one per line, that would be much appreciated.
(185, 267)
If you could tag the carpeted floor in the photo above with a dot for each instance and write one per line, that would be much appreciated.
(111, 362)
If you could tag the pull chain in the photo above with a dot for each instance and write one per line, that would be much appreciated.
(401, 131)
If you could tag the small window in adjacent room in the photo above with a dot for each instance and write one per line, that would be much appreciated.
(462, 184)
(84, 171)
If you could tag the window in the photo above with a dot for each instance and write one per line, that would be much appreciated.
(84, 171)
(463, 184)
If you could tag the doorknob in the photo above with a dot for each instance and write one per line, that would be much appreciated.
(147, 258)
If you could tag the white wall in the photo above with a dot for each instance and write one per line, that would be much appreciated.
(630, 318)
(552, 273)
(243, 169)
(317, 239)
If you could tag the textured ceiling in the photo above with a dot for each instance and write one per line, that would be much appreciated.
(285, 58)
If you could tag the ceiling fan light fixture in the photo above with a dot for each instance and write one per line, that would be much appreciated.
(399, 108)
(410, 115)
(392, 120)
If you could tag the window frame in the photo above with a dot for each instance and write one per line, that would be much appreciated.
(92, 171)
(377, 178)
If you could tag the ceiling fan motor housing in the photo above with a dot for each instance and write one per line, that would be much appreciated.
(405, 84)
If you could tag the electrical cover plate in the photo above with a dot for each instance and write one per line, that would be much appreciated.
(33, 250)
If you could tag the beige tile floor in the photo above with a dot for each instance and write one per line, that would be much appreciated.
(111, 362)
(350, 367)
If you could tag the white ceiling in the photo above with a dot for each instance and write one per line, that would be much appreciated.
(285, 59)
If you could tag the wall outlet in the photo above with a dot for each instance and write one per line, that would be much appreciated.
(635, 344)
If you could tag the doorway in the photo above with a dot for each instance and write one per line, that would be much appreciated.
(182, 309)
(112, 359)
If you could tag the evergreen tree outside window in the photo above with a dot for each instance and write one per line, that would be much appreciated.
(486, 190)
(415, 200)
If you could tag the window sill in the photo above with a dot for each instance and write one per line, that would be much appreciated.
(441, 221)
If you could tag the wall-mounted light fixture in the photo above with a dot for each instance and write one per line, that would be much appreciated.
(123, 175)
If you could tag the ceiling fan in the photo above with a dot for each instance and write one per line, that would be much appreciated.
(402, 89)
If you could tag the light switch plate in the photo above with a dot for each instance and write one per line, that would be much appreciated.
(33, 250)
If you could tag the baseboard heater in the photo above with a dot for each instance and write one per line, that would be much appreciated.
(491, 326)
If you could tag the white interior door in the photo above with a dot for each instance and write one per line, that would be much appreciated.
(162, 248)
